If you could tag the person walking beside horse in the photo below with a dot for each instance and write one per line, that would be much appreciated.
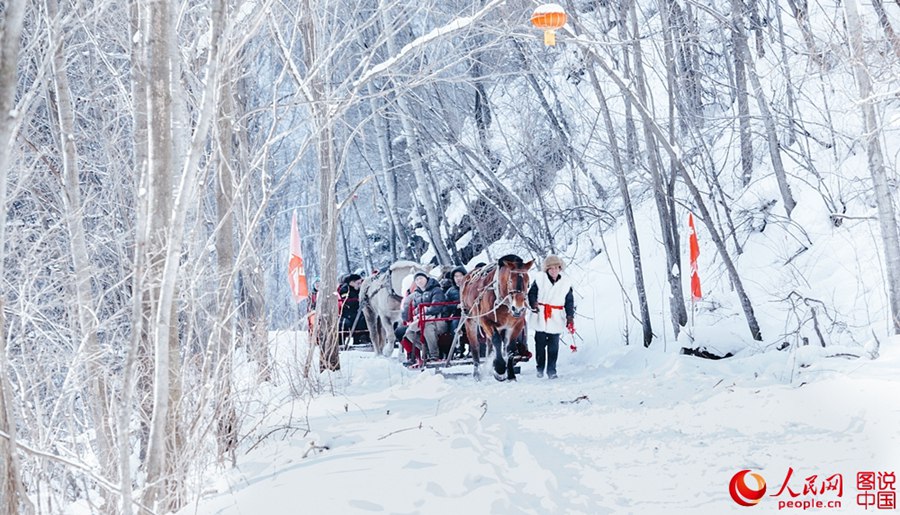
(552, 312)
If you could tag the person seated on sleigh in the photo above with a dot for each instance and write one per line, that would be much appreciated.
(457, 277)
(428, 290)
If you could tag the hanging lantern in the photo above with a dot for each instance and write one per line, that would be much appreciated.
(549, 18)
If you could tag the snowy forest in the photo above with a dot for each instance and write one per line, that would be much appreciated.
(153, 152)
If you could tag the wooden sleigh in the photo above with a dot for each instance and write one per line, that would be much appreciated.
(455, 357)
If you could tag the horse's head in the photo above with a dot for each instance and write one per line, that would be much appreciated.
(512, 284)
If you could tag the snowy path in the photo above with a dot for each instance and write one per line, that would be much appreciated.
(658, 434)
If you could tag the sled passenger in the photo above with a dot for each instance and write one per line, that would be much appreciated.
(552, 312)
(457, 276)
(427, 290)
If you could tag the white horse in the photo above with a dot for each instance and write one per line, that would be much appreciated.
(380, 296)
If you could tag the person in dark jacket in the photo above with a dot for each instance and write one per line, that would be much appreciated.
(352, 320)
(457, 276)
(311, 306)
(427, 290)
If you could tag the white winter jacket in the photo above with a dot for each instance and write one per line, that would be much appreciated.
(551, 303)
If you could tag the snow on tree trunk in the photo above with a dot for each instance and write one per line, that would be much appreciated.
(740, 88)
(886, 216)
(388, 175)
(98, 398)
(163, 464)
(676, 156)
(326, 309)
(159, 166)
(619, 169)
(668, 225)
(13, 497)
(767, 117)
(226, 426)
(423, 187)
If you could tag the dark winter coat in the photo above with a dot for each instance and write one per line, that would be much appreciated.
(452, 294)
(350, 303)
(431, 293)
(313, 298)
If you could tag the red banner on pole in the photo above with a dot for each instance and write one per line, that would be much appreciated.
(696, 293)
(296, 275)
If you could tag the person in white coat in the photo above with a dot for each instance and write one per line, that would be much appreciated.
(552, 312)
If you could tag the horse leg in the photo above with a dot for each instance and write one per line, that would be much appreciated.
(511, 356)
(499, 361)
(472, 334)
(378, 333)
(372, 325)
(387, 335)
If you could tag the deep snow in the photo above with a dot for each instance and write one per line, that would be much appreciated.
(653, 433)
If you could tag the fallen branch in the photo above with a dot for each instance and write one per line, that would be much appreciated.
(703, 353)
(263, 437)
(576, 400)
(400, 431)
(313, 447)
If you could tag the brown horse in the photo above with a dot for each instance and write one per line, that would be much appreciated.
(494, 298)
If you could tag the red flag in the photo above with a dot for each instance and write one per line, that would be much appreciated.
(296, 276)
(696, 294)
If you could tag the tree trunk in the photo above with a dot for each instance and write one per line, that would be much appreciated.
(619, 169)
(789, 82)
(253, 322)
(319, 97)
(226, 425)
(97, 399)
(432, 219)
(886, 216)
(740, 87)
(388, 174)
(159, 160)
(162, 469)
(889, 33)
(668, 226)
(682, 170)
(632, 150)
(768, 119)
(13, 497)
(138, 298)
(801, 13)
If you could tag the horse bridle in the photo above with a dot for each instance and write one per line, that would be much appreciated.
(510, 291)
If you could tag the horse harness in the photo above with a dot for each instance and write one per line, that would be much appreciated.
(495, 287)
(386, 282)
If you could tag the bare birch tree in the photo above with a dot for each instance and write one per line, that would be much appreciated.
(13, 496)
(883, 198)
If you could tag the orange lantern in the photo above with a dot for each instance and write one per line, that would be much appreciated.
(549, 17)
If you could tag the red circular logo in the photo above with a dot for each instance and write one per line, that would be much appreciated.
(744, 494)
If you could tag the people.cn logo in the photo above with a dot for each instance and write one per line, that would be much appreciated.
(744, 494)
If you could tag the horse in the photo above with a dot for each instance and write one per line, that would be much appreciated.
(494, 298)
(380, 296)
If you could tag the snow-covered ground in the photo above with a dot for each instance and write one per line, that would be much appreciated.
(629, 430)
